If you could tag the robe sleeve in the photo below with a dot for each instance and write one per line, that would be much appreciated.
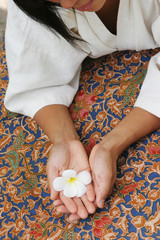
(149, 97)
(43, 68)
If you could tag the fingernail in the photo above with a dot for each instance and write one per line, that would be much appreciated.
(71, 222)
(51, 197)
(102, 203)
(95, 203)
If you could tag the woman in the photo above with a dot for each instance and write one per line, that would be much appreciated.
(46, 42)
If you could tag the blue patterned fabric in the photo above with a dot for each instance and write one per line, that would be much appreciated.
(108, 89)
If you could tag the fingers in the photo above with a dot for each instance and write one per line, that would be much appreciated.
(69, 203)
(90, 192)
(63, 209)
(103, 167)
(84, 206)
(82, 212)
(60, 206)
(90, 206)
(57, 203)
(51, 175)
(101, 196)
(103, 188)
(77, 207)
(73, 218)
(81, 206)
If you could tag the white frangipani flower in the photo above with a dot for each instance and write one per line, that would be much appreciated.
(71, 183)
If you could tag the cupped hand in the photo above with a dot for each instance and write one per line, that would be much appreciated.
(70, 155)
(104, 170)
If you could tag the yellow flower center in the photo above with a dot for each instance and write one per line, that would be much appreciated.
(71, 180)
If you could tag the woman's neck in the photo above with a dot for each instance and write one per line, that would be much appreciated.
(108, 15)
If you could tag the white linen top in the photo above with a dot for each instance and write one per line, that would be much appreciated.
(44, 69)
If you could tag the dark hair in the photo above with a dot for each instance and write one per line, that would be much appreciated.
(45, 12)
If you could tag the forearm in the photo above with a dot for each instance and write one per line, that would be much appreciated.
(137, 124)
(56, 122)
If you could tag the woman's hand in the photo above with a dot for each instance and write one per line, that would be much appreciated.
(103, 166)
(105, 154)
(70, 155)
(104, 171)
(67, 152)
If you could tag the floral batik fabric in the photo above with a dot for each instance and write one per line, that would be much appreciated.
(108, 89)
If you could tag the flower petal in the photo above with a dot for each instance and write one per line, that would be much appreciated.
(81, 189)
(70, 190)
(84, 177)
(69, 173)
(59, 183)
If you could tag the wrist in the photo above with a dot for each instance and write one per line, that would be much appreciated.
(130, 129)
(56, 122)
(115, 142)
(66, 136)
(112, 144)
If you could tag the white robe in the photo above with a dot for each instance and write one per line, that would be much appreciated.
(44, 69)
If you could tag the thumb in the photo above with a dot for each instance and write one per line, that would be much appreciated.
(101, 197)
(102, 190)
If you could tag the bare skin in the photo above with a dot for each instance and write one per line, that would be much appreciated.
(56, 122)
(107, 10)
(68, 151)
(108, 15)
(93, 7)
